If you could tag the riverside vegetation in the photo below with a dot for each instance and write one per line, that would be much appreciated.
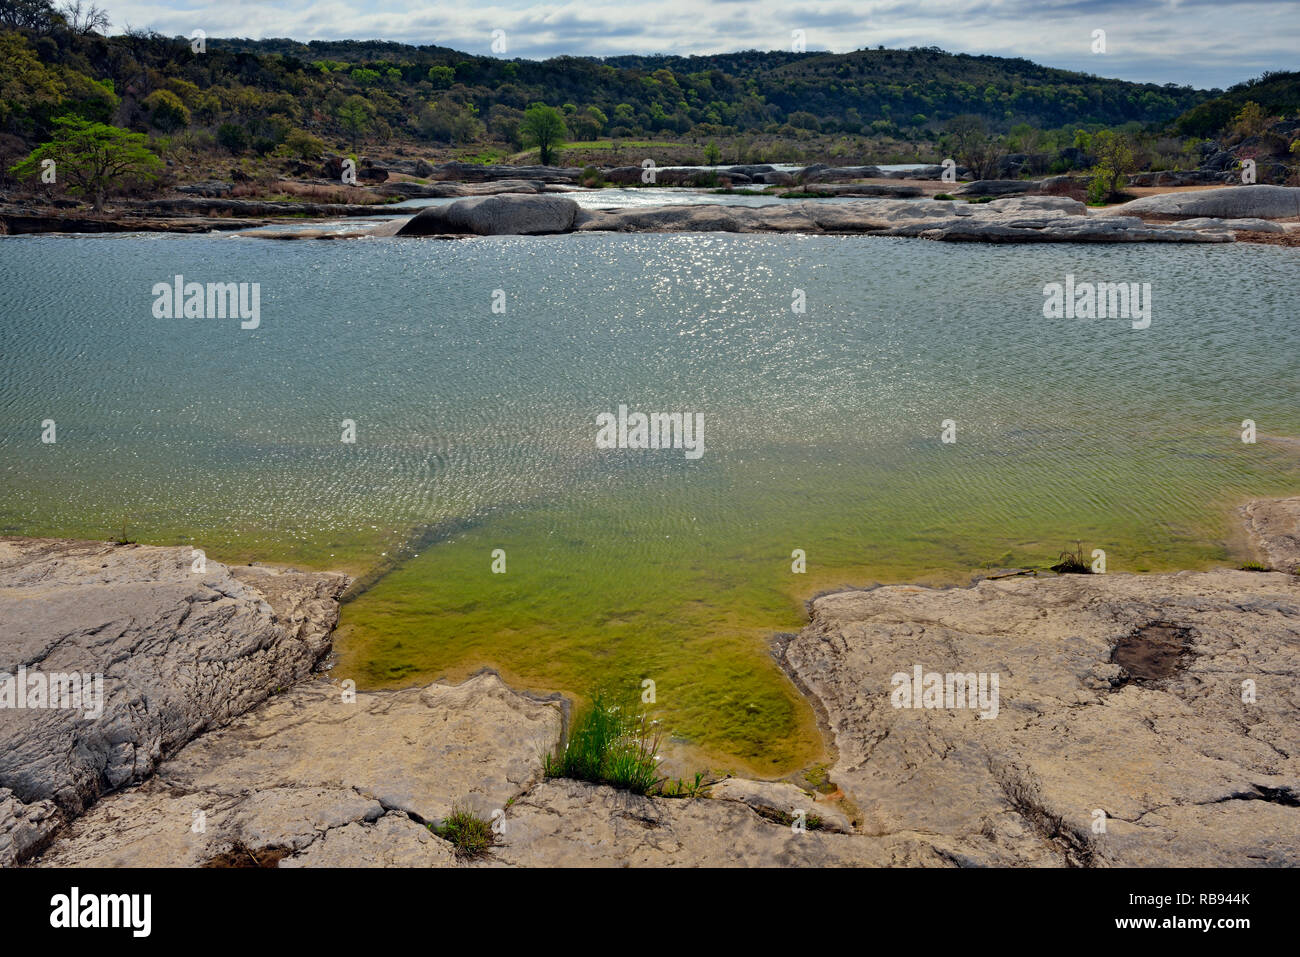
(256, 112)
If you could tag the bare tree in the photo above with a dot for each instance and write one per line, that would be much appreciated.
(84, 19)
(972, 146)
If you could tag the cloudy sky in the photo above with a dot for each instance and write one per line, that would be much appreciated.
(1205, 43)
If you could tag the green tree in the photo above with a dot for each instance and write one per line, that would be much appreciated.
(1114, 160)
(355, 117)
(93, 158)
(712, 155)
(166, 111)
(233, 137)
(441, 77)
(543, 127)
(1250, 121)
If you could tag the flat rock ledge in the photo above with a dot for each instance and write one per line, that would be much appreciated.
(179, 652)
(1020, 219)
(1139, 720)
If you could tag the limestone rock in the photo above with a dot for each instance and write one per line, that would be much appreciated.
(179, 652)
(779, 801)
(309, 767)
(996, 187)
(1274, 524)
(1120, 700)
(574, 824)
(503, 215)
(24, 828)
(1259, 201)
(482, 172)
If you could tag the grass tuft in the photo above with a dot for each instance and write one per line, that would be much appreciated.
(1254, 567)
(1072, 562)
(610, 744)
(468, 834)
(685, 789)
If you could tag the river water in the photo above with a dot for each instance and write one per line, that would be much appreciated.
(476, 431)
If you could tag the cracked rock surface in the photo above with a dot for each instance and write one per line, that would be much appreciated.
(1141, 720)
(335, 782)
(1274, 525)
(180, 652)
(1121, 704)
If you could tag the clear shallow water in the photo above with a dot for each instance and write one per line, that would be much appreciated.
(476, 431)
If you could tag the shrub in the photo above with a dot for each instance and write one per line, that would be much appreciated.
(233, 137)
(302, 145)
(166, 111)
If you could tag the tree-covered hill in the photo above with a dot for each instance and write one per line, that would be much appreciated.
(1276, 93)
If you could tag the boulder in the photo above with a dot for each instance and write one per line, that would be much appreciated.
(504, 215)
(450, 190)
(1220, 160)
(858, 189)
(1234, 202)
(753, 171)
(208, 188)
(996, 187)
(179, 651)
(622, 175)
(836, 174)
(1016, 219)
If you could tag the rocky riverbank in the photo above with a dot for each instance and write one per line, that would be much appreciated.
(1021, 219)
(1136, 720)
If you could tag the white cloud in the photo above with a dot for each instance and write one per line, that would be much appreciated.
(1190, 41)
